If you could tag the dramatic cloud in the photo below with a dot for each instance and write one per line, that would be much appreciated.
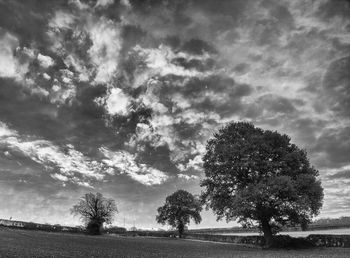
(120, 96)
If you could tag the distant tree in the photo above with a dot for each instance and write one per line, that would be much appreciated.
(178, 209)
(115, 230)
(260, 178)
(94, 210)
(332, 222)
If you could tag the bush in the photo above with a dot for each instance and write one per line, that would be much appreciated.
(288, 242)
(115, 230)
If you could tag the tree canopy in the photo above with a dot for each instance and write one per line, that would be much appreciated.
(260, 178)
(94, 210)
(178, 209)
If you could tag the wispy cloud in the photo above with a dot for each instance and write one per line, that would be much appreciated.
(125, 163)
(68, 161)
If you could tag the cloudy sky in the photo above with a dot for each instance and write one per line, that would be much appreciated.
(121, 96)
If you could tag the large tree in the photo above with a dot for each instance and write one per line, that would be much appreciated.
(260, 178)
(178, 209)
(94, 210)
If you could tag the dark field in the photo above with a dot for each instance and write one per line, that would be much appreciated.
(25, 243)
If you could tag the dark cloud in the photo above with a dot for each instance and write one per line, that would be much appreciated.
(40, 182)
(28, 19)
(213, 93)
(201, 66)
(272, 105)
(125, 126)
(282, 15)
(307, 130)
(222, 8)
(198, 47)
(173, 41)
(161, 13)
(132, 36)
(266, 32)
(277, 104)
(76, 123)
(157, 157)
(331, 9)
(336, 83)
(33, 115)
(241, 68)
(334, 146)
(187, 131)
(84, 118)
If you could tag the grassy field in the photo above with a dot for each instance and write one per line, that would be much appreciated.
(25, 243)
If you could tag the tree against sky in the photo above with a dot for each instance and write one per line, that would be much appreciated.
(178, 209)
(94, 210)
(260, 178)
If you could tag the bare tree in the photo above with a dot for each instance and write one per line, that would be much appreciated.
(94, 210)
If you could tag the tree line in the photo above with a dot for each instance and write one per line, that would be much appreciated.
(255, 176)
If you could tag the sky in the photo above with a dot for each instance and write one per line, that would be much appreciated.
(120, 97)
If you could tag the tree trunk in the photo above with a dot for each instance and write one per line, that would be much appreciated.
(94, 227)
(181, 228)
(266, 229)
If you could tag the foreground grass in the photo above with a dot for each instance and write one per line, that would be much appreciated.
(25, 243)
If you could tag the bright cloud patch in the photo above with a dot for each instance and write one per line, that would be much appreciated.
(117, 103)
(45, 61)
(125, 163)
(61, 20)
(10, 66)
(104, 52)
(195, 163)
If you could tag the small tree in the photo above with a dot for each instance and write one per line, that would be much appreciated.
(259, 178)
(178, 209)
(94, 210)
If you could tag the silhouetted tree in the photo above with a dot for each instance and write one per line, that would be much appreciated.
(260, 178)
(178, 209)
(94, 210)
